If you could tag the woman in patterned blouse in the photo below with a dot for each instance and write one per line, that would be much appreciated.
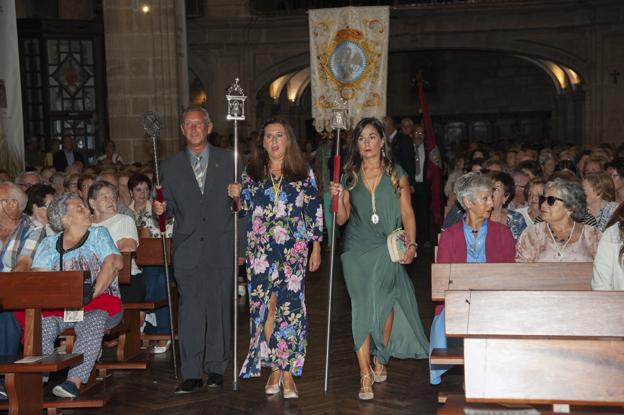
(279, 192)
(562, 236)
(502, 193)
(600, 193)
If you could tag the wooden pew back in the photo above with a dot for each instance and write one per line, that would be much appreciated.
(555, 347)
(543, 276)
(34, 291)
(150, 253)
(43, 290)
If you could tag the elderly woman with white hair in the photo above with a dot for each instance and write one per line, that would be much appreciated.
(475, 239)
(562, 236)
(103, 199)
(79, 246)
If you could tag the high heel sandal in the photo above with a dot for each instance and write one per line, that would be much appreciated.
(380, 372)
(274, 388)
(366, 386)
(290, 393)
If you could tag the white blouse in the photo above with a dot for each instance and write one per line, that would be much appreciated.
(608, 269)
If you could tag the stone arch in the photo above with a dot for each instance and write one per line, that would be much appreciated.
(265, 76)
(568, 102)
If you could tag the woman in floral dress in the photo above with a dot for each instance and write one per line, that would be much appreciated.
(279, 192)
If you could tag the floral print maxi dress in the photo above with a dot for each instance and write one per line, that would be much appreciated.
(276, 257)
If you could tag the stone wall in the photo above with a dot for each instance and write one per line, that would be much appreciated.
(466, 82)
(142, 74)
(585, 36)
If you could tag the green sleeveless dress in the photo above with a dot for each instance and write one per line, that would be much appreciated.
(377, 285)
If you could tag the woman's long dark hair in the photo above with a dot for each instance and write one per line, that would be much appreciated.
(353, 163)
(295, 166)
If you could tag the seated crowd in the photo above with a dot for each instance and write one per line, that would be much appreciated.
(82, 218)
(524, 205)
(519, 205)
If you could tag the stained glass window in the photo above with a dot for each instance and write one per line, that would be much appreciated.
(59, 89)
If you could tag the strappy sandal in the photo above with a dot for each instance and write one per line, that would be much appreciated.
(381, 372)
(366, 386)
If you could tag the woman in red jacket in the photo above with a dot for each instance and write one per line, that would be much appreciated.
(475, 239)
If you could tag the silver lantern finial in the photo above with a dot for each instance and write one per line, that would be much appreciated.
(339, 119)
(236, 102)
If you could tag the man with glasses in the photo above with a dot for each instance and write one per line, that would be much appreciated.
(18, 241)
(520, 181)
(28, 179)
(421, 195)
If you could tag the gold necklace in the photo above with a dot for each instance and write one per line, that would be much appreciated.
(371, 189)
(277, 188)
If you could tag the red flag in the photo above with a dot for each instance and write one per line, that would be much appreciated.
(434, 161)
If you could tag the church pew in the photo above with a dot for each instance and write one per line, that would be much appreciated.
(33, 292)
(555, 348)
(513, 276)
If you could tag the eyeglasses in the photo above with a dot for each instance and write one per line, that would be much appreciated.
(6, 200)
(549, 199)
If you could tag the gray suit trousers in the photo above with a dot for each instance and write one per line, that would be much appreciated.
(204, 320)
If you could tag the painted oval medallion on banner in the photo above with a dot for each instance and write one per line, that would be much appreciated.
(348, 62)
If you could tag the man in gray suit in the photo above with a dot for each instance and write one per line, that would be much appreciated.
(195, 189)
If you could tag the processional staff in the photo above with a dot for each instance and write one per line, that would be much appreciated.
(151, 125)
(338, 122)
(235, 97)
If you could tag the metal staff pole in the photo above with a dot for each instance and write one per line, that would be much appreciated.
(338, 122)
(151, 125)
(235, 97)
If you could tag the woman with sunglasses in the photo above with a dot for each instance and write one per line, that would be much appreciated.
(562, 236)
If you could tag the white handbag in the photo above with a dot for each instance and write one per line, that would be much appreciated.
(397, 244)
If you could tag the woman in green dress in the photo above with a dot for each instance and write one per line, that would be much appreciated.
(375, 199)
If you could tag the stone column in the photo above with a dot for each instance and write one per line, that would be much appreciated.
(142, 69)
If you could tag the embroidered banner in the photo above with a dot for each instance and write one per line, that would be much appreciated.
(348, 62)
(11, 124)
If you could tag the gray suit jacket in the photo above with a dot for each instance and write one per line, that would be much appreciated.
(203, 234)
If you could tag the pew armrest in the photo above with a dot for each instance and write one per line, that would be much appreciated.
(50, 363)
(146, 305)
(449, 356)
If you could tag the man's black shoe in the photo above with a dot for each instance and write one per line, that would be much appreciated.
(189, 386)
(215, 380)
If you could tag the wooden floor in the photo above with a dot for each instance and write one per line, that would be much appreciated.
(406, 392)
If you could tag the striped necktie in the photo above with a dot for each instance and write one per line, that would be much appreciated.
(200, 172)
